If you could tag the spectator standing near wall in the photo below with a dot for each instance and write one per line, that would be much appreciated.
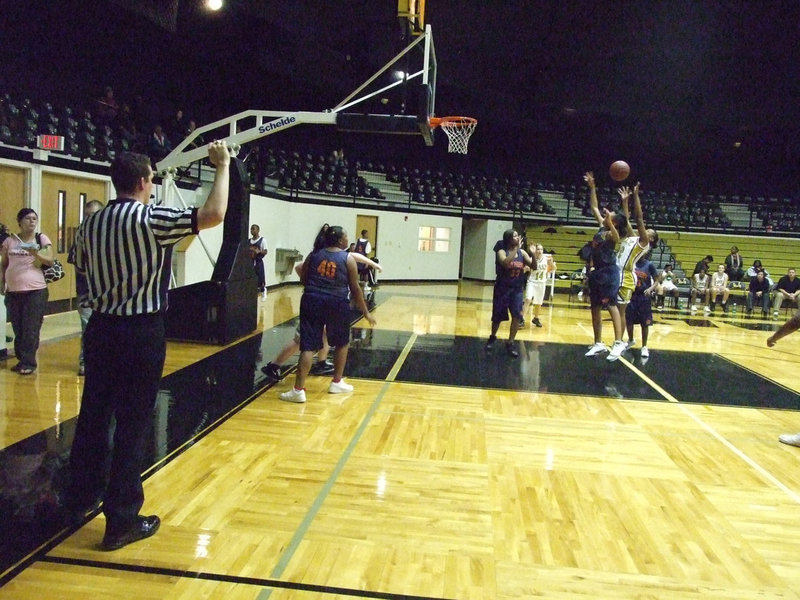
(22, 282)
(82, 286)
(258, 250)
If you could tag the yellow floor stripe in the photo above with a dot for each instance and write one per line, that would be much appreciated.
(402, 358)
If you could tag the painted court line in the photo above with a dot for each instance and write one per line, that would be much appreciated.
(302, 529)
(765, 474)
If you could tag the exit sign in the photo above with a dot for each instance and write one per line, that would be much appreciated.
(50, 142)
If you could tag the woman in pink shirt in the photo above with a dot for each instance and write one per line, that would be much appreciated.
(23, 285)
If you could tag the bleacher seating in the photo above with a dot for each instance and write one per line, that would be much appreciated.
(524, 197)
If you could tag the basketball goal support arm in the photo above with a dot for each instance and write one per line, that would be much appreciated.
(267, 123)
(270, 121)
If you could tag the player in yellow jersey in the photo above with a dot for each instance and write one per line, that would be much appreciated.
(632, 246)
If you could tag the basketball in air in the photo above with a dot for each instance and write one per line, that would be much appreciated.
(619, 170)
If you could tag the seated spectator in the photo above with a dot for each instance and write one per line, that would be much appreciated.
(788, 288)
(126, 128)
(703, 263)
(700, 286)
(198, 142)
(666, 285)
(158, 146)
(733, 265)
(176, 128)
(753, 271)
(106, 108)
(758, 293)
(719, 286)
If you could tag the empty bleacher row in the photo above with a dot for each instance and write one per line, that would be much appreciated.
(306, 172)
(22, 121)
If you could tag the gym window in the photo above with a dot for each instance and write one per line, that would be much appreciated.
(434, 239)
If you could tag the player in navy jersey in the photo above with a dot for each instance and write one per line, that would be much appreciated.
(510, 262)
(330, 277)
(604, 278)
(639, 308)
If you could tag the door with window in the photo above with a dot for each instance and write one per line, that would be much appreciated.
(63, 199)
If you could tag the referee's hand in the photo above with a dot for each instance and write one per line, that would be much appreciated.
(218, 153)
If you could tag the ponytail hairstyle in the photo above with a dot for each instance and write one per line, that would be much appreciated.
(334, 235)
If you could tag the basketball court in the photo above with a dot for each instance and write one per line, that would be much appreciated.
(450, 472)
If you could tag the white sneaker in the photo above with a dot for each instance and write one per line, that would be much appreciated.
(596, 349)
(616, 350)
(694, 308)
(775, 314)
(630, 343)
(340, 387)
(645, 352)
(293, 395)
(793, 439)
(706, 309)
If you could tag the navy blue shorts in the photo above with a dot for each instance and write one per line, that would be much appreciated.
(505, 301)
(318, 311)
(639, 311)
(604, 286)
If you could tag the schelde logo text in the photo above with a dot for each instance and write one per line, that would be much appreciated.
(272, 125)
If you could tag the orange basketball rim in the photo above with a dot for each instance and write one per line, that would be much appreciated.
(458, 130)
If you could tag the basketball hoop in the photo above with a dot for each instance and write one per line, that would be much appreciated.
(458, 130)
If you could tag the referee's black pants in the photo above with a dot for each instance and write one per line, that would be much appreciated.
(124, 358)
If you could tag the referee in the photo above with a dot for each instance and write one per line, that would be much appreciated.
(125, 251)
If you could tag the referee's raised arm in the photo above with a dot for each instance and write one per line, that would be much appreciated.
(213, 211)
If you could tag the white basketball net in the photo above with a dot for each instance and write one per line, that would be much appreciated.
(458, 132)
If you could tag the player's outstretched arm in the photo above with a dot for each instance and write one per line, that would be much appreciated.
(589, 179)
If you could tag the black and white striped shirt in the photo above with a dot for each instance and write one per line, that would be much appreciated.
(125, 250)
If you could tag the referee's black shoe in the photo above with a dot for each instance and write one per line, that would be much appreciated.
(143, 528)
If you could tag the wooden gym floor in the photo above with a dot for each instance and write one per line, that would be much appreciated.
(449, 472)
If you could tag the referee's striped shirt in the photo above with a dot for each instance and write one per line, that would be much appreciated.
(125, 251)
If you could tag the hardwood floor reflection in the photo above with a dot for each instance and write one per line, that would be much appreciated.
(448, 472)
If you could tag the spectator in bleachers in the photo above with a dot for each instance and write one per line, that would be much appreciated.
(176, 128)
(125, 126)
(106, 108)
(666, 285)
(701, 285)
(159, 145)
(198, 141)
(719, 286)
(707, 260)
(758, 293)
(734, 265)
(753, 271)
(788, 288)
(337, 158)
(143, 114)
